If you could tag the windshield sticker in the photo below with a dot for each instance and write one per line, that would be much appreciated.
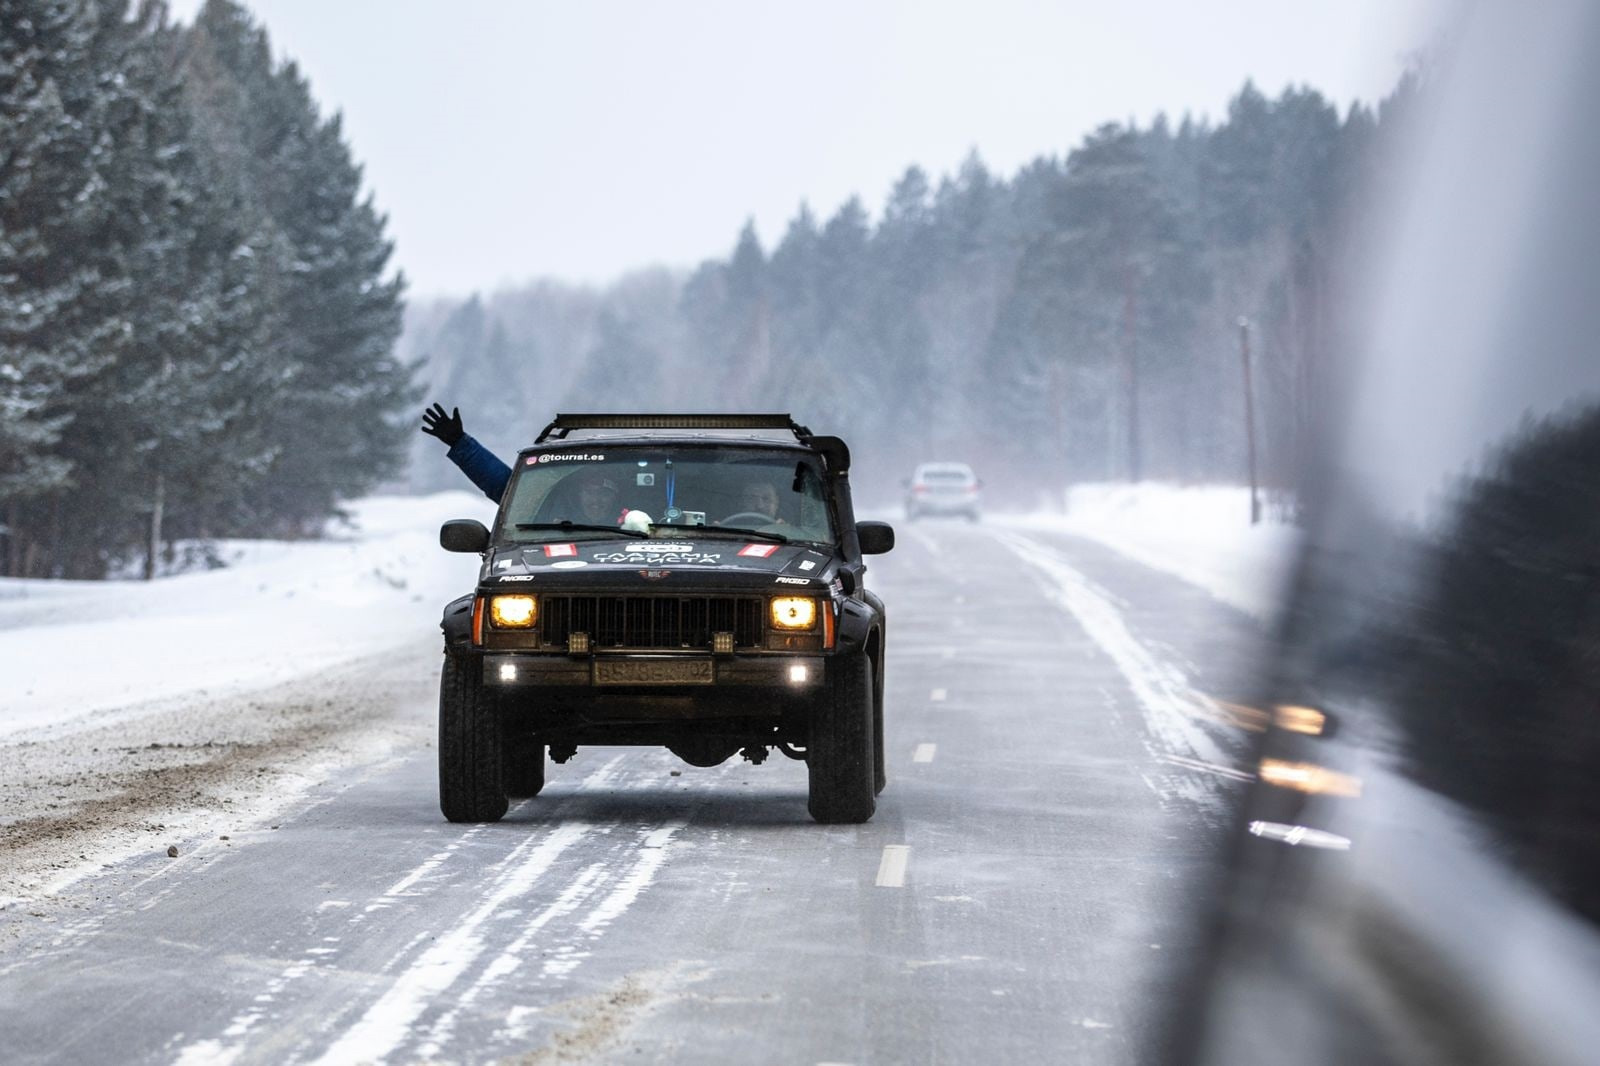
(792, 581)
(758, 551)
(504, 564)
(568, 564)
(566, 457)
(654, 557)
(654, 575)
(665, 549)
(551, 551)
(808, 564)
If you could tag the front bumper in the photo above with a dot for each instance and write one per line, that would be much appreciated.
(653, 674)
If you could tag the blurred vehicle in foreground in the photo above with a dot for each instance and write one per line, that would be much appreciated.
(943, 489)
(1416, 878)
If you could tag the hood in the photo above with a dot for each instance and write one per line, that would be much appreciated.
(686, 560)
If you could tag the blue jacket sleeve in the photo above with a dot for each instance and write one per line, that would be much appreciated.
(481, 466)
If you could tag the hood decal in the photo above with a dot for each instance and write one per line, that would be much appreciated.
(632, 556)
(795, 560)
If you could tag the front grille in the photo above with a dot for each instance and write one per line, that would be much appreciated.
(650, 621)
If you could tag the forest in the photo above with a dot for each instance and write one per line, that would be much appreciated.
(197, 314)
(202, 334)
(1077, 320)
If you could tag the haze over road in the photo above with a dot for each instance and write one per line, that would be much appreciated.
(1057, 768)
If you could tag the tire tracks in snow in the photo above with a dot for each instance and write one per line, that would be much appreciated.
(1183, 725)
(533, 919)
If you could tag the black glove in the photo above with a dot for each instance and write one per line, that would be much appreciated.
(447, 428)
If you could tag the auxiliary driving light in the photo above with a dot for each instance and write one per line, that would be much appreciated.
(799, 673)
(722, 643)
(794, 612)
(508, 671)
(513, 612)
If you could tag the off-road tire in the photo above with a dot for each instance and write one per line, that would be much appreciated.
(472, 785)
(839, 757)
(524, 768)
(880, 772)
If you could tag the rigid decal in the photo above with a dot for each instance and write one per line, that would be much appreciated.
(758, 551)
(516, 577)
(553, 551)
(793, 581)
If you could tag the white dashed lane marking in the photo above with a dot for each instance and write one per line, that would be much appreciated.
(892, 867)
(924, 753)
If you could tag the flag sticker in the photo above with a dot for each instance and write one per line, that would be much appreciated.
(759, 551)
(553, 550)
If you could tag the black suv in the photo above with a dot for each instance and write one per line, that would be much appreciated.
(689, 581)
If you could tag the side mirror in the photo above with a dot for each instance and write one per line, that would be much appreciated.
(875, 537)
(463, 535)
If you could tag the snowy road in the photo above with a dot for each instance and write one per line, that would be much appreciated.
(1058, 758)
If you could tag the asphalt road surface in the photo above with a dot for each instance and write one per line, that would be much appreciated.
(1059, 768)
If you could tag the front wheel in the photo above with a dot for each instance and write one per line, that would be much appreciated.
(471, 759)
(839, 758)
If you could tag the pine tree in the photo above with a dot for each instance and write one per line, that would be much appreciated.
(340, 406)
(49, 195)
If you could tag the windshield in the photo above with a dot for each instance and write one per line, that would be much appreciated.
(575, 493)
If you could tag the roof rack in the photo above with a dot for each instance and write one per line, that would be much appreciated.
(565, 424)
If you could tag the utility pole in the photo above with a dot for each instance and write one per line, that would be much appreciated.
(1130, 370)
(1249, 417)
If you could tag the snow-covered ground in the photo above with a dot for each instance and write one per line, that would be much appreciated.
(76, 651)
(134, 714)
(1201, 534)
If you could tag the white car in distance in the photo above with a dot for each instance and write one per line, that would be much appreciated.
(943, 489)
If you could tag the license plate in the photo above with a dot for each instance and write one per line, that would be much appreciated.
(653, 672)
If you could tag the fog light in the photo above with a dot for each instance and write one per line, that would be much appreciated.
(722, 643)
(799, 673)
(508, 671)
(578, 644)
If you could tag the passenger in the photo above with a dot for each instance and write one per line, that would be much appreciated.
(593, 501)
(481, 466)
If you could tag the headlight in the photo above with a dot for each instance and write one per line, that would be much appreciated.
(794, 612)
(513, 612)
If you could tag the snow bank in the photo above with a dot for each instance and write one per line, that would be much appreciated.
(278, 610)
(1201, 534)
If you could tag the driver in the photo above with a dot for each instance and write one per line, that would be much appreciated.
(755, 497)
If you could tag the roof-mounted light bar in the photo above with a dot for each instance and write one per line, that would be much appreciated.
(565, 424)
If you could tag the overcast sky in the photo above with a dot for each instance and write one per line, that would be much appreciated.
(514, 139)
